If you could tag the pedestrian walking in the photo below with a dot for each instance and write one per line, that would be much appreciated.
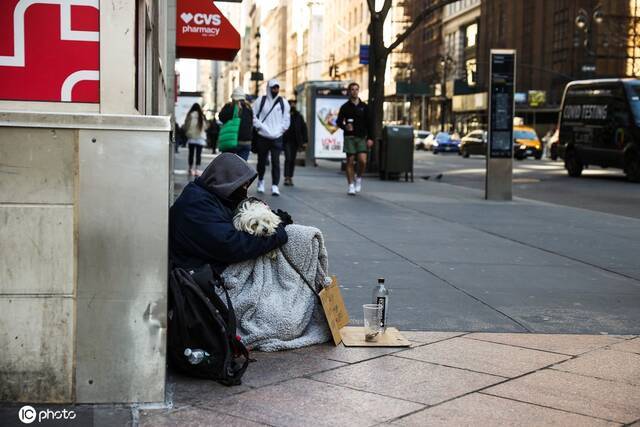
(194, 126)
(241, 110)
(213, 129)
(271, 122)
(294, 138)
(355, 121)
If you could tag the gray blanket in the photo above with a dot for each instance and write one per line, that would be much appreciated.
(275, 309)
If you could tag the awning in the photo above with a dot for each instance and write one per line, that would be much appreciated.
(203, 32)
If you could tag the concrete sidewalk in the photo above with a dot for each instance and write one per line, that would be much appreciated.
(477, 287)
(443, 379)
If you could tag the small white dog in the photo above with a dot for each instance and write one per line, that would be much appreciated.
(255, 217)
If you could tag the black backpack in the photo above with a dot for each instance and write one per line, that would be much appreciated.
(199, 319)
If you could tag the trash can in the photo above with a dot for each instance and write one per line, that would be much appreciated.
(396, 152)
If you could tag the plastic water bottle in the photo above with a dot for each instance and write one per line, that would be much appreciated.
(195, 356)
(381, 296)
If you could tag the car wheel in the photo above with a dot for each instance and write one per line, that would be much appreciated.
(465, 153)
(538, 155)
(573, 164)
(435, 151)
(632, 167)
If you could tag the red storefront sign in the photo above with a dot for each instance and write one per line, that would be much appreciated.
(50, 50)
(203, 32)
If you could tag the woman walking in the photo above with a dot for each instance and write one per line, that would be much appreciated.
(240, 109)
(194, 126)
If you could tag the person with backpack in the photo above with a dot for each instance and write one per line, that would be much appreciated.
(194, 127)
(237, 125)
(271, 122)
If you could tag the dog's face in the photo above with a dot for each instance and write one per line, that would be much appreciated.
(255, 217)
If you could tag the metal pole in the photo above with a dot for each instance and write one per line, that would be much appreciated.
(443, 93)
(422, 113)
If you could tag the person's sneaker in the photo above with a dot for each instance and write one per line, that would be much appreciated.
(275, 191)
(197, 172)
(191, 172)
(261, 186)
(358, 185)
(352, 190)
(287, 181)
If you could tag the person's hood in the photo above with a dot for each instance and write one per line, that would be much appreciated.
(225, 174)
(271, 83)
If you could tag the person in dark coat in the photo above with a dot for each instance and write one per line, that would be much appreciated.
(245, 112)
(212, 134)
(201, 227)
(294, 138)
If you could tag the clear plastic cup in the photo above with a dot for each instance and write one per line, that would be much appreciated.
(372, 318)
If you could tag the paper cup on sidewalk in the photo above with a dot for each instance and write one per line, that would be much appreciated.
(372, 317)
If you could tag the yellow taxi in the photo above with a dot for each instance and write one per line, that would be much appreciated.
(526, 143)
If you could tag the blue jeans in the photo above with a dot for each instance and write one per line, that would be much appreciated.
(243, 151)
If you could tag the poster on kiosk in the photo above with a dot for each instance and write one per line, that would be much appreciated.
(329, 138)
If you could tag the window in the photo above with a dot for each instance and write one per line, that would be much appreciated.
(471, 35)
(471, 68)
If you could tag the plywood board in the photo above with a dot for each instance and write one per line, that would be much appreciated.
(353, 336)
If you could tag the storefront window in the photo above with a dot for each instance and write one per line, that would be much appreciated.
(471, 35)
(470, 67)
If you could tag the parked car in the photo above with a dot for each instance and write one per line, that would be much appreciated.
(600, 125)
(526, 143)
(445, 143)
(419, 138)
(474, 142)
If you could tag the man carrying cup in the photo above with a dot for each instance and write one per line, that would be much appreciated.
(354, 120)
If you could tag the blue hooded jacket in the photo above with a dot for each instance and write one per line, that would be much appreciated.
(201, 227)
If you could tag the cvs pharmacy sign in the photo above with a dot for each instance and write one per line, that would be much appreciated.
(201, 19)
(203, 32)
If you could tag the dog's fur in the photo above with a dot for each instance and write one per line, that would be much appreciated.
(255, 217)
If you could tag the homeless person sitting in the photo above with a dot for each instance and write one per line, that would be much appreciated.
(275, 309)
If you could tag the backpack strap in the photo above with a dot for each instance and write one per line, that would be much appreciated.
(263, 100)
(278, 101)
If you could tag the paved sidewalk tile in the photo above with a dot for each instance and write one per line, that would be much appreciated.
(574, 393)
(558, 343)
(341, 353)
(482, 410)
(429, 337)
(480, 356)
(270, 368)
(193, 417)
(301, 402)
(631, 346)
(409, 379)
(606, 364)
(193, 391)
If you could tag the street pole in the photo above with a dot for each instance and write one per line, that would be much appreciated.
(443, 93)
(257, 61)
(422, 113)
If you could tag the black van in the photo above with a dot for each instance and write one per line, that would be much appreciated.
(600, 125)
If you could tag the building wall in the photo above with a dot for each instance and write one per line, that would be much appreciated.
(549, 46)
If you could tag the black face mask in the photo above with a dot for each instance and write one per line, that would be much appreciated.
(237, 196)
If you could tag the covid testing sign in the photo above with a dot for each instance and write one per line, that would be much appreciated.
(329, 138)
(203, 32)
(50, 50)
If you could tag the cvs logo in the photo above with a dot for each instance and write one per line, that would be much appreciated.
(207, 19)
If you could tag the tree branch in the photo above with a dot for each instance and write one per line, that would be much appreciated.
(416, 22)
(385, 10)
(372, 6)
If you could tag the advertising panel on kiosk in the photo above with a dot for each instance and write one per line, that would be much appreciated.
(329, 138)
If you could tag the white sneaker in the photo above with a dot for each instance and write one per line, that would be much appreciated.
(358, 185)
(260, 186)
(275, 191)
(352, 190)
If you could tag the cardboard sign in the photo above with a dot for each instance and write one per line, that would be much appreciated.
(334, 309)
(203, 32)
(353, 336)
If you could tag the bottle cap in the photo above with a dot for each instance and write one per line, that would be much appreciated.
(187, 352)
(381, 280)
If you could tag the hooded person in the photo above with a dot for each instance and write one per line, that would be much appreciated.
(201, 227)
(271, 120)
(242, 109)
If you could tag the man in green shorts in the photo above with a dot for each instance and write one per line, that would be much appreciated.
(354, 120)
